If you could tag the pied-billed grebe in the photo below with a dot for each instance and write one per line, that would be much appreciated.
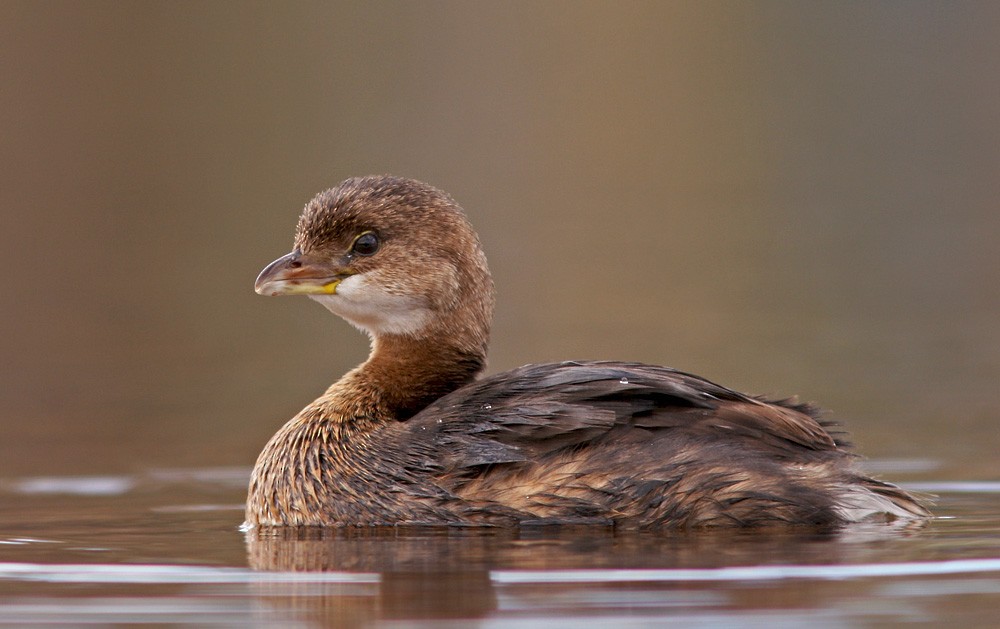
(412, 437)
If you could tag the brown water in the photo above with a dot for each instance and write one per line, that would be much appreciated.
(163, 548)
(783, 197)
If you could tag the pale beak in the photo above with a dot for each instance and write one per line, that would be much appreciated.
(300, 274)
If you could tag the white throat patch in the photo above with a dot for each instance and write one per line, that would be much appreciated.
(374, 310)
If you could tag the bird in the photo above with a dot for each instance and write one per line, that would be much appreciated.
(416, 435)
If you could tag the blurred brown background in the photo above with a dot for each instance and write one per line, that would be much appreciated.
(784, 197)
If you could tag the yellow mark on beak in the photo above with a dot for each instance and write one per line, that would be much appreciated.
(331, 287)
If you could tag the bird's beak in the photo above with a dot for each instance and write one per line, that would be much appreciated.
(298, 273)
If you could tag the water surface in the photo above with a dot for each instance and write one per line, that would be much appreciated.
(164, 547)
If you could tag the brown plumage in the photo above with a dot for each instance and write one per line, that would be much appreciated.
(412, 437)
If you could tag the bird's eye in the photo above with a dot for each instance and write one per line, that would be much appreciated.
(366, 244)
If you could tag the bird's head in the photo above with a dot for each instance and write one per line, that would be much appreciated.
(392, 256)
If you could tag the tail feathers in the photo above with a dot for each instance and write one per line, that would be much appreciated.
(867, 499)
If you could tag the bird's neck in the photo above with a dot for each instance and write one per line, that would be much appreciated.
(401, 377)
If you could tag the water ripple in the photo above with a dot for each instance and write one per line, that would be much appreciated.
(751, 573)
(74, 485)
(130, 573)
(159, 573)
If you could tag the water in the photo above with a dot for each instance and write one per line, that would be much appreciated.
(164, 547)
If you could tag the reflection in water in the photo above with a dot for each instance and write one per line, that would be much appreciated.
(473, 573)
(443, 550)
(424, 574)
(163, 553)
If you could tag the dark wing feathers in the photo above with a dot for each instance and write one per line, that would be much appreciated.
(535, 410)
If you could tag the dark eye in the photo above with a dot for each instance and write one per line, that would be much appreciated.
(366, 244)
